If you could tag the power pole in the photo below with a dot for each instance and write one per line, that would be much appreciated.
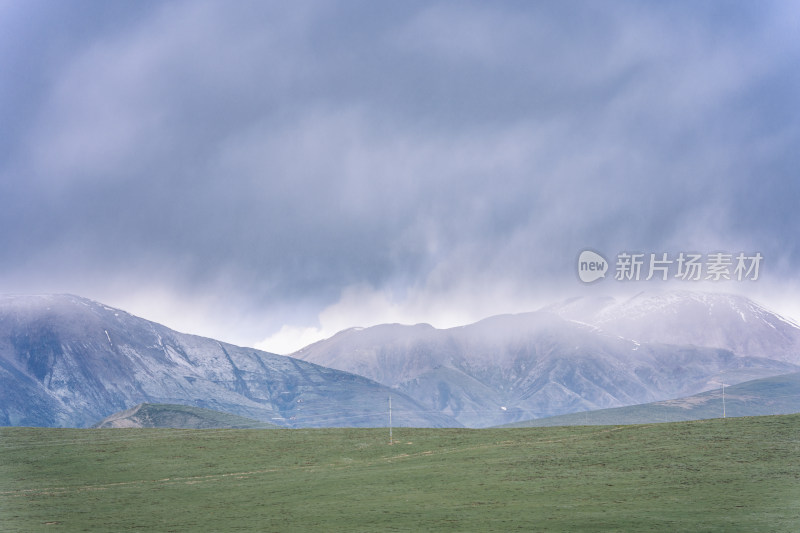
(390, 419)
(723, 398)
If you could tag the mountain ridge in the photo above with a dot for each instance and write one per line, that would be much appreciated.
(174, 416)
(554, 360)
(708, 319)
(70, 361)
(775, 395)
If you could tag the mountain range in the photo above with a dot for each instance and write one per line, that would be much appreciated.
(66, 361)
(578, 355)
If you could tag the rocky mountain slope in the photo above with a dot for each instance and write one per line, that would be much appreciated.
(66, 361)
(575, 356)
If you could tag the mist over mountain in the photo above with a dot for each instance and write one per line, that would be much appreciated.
(69, 361)
(706, 319)
(582, 354)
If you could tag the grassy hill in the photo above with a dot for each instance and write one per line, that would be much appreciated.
(767, 396)
(735, 474)
(160, 415)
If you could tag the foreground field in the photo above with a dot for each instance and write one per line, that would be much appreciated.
(715, 475)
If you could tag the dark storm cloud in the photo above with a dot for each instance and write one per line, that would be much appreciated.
(278, 155)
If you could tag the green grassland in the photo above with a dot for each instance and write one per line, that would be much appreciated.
(713, 475)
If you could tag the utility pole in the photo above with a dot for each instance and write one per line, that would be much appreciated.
(723, 398)
(722, 382)
(390, 419)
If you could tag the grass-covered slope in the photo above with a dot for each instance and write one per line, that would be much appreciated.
(768, 396)
(717, 475)
(159, 415)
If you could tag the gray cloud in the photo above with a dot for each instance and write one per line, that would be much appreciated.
(251, 162)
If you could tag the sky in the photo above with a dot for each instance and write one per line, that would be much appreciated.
(269, 173)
